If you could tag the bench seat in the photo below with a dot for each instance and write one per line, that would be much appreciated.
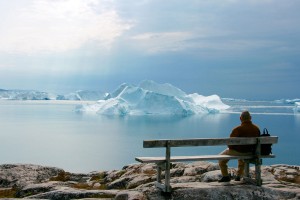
(196, 158)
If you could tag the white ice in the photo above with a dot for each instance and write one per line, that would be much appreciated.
(297, 107)
(152, 98)
(80, 95)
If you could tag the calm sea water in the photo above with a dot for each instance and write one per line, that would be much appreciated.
(51, 133)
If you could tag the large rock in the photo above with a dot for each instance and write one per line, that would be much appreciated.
(189, 181)
(71, 193)
(20, 175)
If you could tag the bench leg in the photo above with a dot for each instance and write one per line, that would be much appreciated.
(247, 169)
(165, 187)
(167, 178)
(258, 172)
(168, 168)
(158, 175)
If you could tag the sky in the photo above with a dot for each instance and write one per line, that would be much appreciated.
(246, 49)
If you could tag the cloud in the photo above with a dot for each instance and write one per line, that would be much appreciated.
(216, 26)
(204, 40)
(161, 42)
(56, 26)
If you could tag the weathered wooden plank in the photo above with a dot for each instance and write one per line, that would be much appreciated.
(208, 142)
(194, 158)
(268, 140)
(150, 159)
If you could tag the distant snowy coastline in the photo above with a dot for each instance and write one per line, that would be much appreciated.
(287, 101)
(80, 95)
(151, 98)
(234, 100)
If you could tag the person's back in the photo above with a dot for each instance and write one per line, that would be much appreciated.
(246, 129)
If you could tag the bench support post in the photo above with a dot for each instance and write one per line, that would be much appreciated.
(168, 167)
(258, 162)
(158, 175)
(247, 169)
(258, 171)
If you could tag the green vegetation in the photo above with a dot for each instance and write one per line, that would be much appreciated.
(62, 176)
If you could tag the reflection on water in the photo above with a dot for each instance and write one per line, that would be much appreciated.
(53, 134)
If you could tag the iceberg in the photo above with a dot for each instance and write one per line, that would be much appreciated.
(151, 98)
(82, 95)
(166, 88)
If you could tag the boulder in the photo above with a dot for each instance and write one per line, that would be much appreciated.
(71, 193)
(20, 175)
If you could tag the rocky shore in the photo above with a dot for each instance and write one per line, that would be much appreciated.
(190, 181)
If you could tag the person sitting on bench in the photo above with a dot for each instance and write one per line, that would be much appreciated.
(246, 129)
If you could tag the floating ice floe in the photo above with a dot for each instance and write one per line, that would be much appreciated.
(287, 101)
(297, 107)
(151, 98)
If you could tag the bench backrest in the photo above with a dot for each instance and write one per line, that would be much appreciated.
(209, 141)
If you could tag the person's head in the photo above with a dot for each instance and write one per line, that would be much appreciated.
(245, 116)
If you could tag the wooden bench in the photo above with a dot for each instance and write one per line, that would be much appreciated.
(163, 163)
